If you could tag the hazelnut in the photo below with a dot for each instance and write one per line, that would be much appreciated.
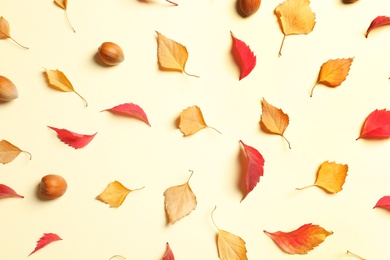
(249, 7)
(52, 186)
(8, 90)
(110, 53)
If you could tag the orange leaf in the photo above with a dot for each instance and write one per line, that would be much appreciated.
(114, 194)
(301, 240)
(330, 177)
(295, 17)
(191, 121)
(273, 120)
(8, 152)
(333, 72)
(5, 31)
(64, 4)
(179, 202)
(171, 55)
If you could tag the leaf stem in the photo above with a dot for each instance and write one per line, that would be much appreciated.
(192, 172)
(24, 47)
(212, 217)
(305, 187)
(172, 2)
(85, 101)
(139, 188)
(28, 154)
(355, 255)
(311, 91)
(289, 145)
(190, 74)
(67, 19)
(281, 46)
(214, 129)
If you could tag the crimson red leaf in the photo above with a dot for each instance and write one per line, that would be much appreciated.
(73, 139)
(255, 168)
(6, 192)
(131, 110)
(383, 202)
(377, 125)
(377, 22)
(168, 254)
(243, 56)
(46, 239)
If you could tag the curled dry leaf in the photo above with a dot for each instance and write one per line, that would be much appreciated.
(46, 239)
(115, 194)
(295, 17)
(301, 240)
(378, 22)
(330, 177)
(64, 5)
(73, 139)
(333, 72)
(355, 255)
(130, 110)
(191, 121)
(6, 192)
(243, 56)
(376, 125)
(383, 202)
(5, 31)
(8, 152)
(168, 253)
(58, 81)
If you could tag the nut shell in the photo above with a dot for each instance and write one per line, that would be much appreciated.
(111, 53)
(249, 7)
(52, 186)
(8, 90)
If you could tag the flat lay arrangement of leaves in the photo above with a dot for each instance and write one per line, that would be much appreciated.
(149, 160)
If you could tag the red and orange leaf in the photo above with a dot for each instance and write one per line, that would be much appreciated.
(46, 239)
(6, 192)
(301, 240)
(376, 125)
(378, 22)
(255, 167)
(168, 253)
(130, 110)
(383, 202)
(72, 139)
(244, 57)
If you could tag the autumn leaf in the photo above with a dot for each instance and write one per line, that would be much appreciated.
(172, 56)
(378, 22)
(244, 57)
(273, 120)
(330, 177)
(376, 125)
(333, 72)
(179, 202)
(58, 81)
(8, 152)
(168, 253)
(5, 31)
(115, 194)
(46, 239)
(130, 110)
(255, 167)
(73, 139)
(191, 121)
(230, 246)
(64, 5)
(301, 240)
(383, 202)
(295, 17)
(6, 192)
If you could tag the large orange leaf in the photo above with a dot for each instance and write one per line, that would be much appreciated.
(114, 194)
(295, 17)
(273, 120)
(5, 31)
(301, 240)
(333, 72)
(191, 121)
(330, 177)
(8, 152)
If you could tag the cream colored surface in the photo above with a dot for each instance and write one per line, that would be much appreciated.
(321, 128)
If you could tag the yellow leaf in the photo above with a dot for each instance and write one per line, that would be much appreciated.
(191, 121)
(58, 81)
(273, 120)
(5, 31)
(179, 201)
(333, 72)
(171, 55)
(114, 194)
(64, 4)
(8, 152)
(295, 17)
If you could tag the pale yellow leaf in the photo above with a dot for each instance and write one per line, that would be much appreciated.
(191, 121)
(8, 152)
(114, 194)
(230, 246)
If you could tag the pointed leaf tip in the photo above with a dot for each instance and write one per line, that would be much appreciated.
(6, 192)
(130, 110)
(73, 139)
(46, 239)
(243, 56)
(378, 22)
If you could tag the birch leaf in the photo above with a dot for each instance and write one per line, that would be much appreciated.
(8, 152)
(114, 194)
(191, 121)
(5, 31)
(64, 5)
(46, 239)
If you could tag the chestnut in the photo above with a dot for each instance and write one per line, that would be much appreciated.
(52, 186)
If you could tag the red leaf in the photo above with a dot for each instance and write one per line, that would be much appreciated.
(73, 139)
(243, 56)
(131, 110)
(6, 192)
(46, 239)
(377, 22)
(383, 202)
(377, 125)
(168, 254)
(255, 167)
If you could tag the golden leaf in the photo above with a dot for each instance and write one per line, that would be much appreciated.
(58, 81)
(273, 120)
(333, 72)
(114, 194)
(295, 17)
(5, 32)
(64, 4)
(179, 202)
(171, 55)
(8, 152)
(191, 121)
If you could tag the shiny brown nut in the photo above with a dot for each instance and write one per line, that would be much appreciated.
(52, 186)
(8, 90)
(110, 53)
(249, 7)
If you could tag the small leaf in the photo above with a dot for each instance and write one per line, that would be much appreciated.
(46, 239)
(114, 194)
(383, 202)
(130, 110)
(5, 31)
(273, 120)
(243, 56)
(168, 253)
(6, 192)
(171, 55)
(301, 240)
(333, 72)
(8, 152)
(191, 121)
(376, 125)
(179, 201)
(72, 139)
(64, 4)
(378, 22)
(58, 81)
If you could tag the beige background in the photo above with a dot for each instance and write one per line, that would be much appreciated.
(321, 128)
